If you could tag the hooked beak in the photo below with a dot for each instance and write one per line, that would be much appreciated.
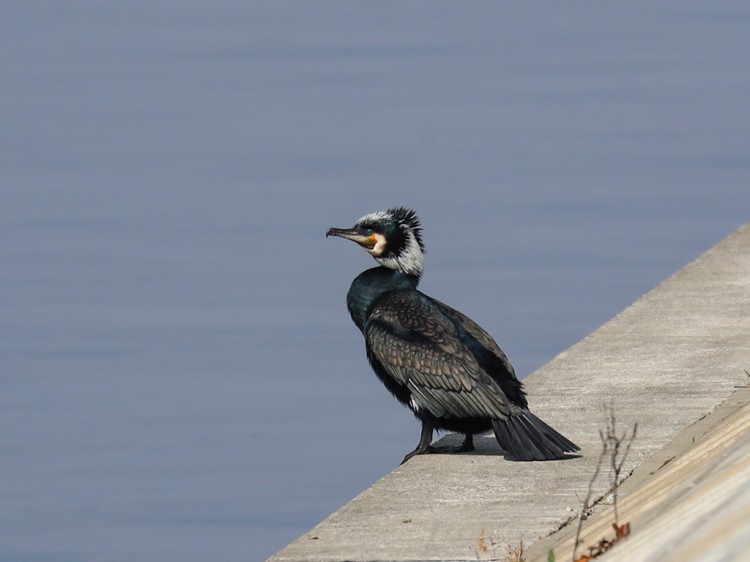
(355, 235)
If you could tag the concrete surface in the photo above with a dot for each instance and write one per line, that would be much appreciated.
(690, 501)
(665, 362)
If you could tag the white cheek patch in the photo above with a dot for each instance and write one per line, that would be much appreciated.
(410, 261)
(379, 247)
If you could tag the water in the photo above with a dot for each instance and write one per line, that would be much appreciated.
(180, 377)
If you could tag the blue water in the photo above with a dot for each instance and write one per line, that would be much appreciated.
(181, 380)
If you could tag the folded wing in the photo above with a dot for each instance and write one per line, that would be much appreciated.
(419, 347)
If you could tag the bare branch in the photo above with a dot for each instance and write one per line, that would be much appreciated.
(586, 507)
(615, 448)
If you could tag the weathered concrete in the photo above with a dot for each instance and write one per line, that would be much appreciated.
(689, 501)
(664, 362)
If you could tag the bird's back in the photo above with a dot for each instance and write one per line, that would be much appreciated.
(490, 357)
(423, 345)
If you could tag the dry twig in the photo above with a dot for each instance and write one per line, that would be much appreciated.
(616, 448)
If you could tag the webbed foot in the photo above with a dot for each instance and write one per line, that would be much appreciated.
(425, 448)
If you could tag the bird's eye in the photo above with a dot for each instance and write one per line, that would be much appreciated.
(369, 231)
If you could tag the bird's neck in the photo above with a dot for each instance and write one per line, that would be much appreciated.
(409, 260)
(370, 285)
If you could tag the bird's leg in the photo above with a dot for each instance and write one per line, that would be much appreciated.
(465, 447)
(425, 440)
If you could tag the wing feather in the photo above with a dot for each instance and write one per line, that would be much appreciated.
(476, 331)
(419, 346)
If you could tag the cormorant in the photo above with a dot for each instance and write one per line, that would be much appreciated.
(435, 360)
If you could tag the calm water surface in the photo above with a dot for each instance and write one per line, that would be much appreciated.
(180, 378)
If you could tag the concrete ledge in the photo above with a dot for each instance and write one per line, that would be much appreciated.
(689, 501)
(666, 361)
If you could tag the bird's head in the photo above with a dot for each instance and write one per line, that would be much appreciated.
(392, 237)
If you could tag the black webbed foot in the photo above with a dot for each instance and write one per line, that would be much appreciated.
(425, 440)
(425, 448)
(429, 450)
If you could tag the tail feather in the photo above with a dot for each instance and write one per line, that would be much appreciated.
(512, 440)
(535, 440)
(524, 437)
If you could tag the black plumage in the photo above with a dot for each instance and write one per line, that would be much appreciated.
(432, 358)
